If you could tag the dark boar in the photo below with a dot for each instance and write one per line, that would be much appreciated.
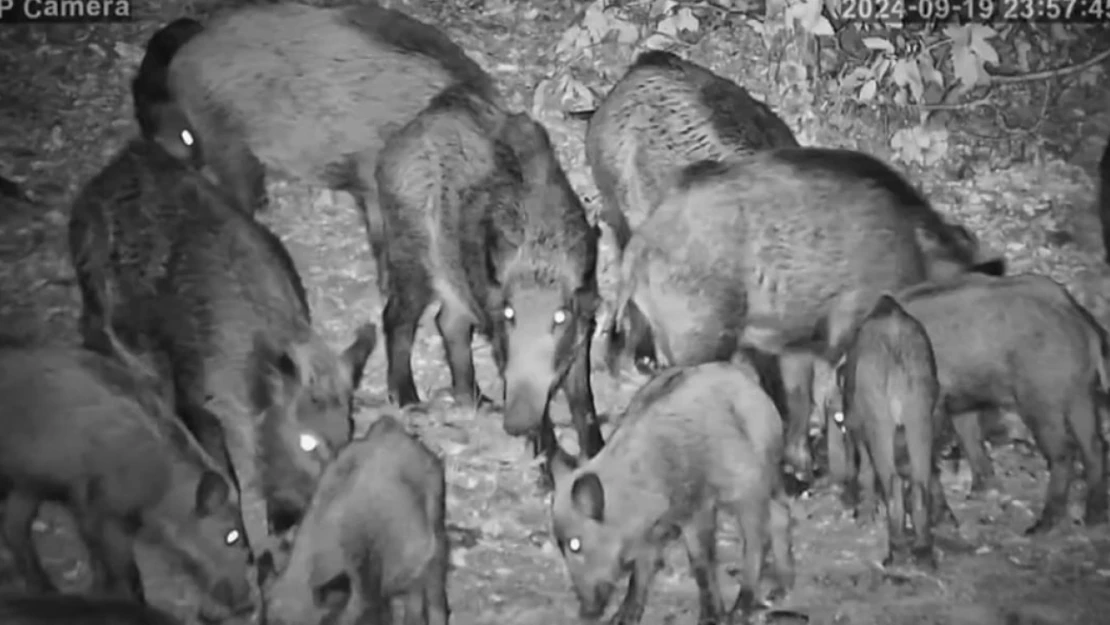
(889, 384)
(219, 297)
(92, 431)
(121, 231)
(848, 467)
(244, 351)
(313, 92)
(1021, 343)
(54, 609)
(482, 218)
(374, 531)
(693, 439)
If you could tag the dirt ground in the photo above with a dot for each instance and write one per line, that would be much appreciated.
(66, 108)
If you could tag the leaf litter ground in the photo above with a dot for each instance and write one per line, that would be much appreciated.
(67, 109)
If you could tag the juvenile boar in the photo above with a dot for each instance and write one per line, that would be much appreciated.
(693, 439)
(1022, 343)
(313, 93)
(481, 218)
(92, 431)
(54, 609)
(218, 296)
(374, 531)
(889, 384)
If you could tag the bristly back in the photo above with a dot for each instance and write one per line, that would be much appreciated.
(462, 97)
(700, 172)
(196, 191)
(851, 164)
(657, 58)
(280, 253)
(841, 164)
(933, 288)
(740, 120)
(411, 36)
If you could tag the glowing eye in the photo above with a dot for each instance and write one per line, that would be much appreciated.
(510, 314)
(232, 537)
(838, 416)
(187, 138)
(574, 545)
(560, 317)
(309, 442)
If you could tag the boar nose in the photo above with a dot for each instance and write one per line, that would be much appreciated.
(592, 606)
(236, 596)
(523, 409)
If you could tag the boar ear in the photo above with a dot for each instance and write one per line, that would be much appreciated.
(588, 496)
(264, 353)
(886, 305)
(269, 370)
(333, 594)
(355, 356)
(212, 493)
(293, 361)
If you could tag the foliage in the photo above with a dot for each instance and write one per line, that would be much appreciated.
(935, 65)
(917, 66)
(664, 23)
